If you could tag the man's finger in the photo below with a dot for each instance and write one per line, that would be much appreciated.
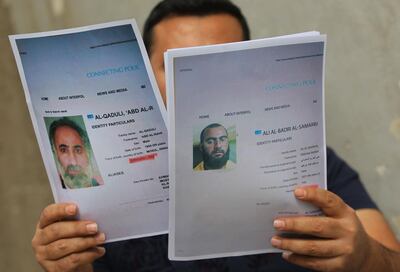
(331, 204)
(319, 226)
(61, 248)
(66, 229)
(56, 212)
(313, 263)
(309, 247)
(75, 260)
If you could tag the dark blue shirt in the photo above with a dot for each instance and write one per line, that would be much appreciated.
(150, 253)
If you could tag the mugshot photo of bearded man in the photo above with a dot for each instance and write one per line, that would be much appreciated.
(216, 147)
(72, 152)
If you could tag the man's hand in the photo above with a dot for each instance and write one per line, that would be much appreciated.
(63, 244)
(340, 243)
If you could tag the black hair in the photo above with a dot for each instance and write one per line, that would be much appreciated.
(213, 125)
(66, 122)
(167, 8)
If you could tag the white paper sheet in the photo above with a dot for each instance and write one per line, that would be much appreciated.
(99, 79)
(265, 100)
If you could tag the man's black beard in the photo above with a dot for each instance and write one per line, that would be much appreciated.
(215, 163)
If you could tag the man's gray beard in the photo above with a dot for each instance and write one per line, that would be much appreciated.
(215, 163)
(81, 180)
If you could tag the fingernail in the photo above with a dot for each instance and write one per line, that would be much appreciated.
(286, 254)
(276, 242)
(300, 193)
(101, 237)
(279, 224)
(70, 209)
(91, 228)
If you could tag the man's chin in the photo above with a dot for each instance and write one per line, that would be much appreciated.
(216, 163)
(77, 181)
(216, 160)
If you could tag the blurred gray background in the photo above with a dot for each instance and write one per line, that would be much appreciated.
(362, 96)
